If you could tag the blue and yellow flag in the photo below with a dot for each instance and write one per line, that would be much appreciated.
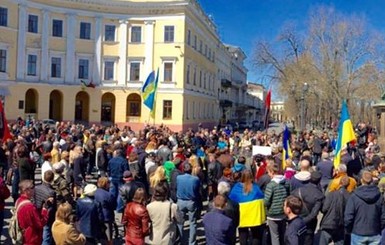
(251, 205)
(286, 151)
(149, 91)
(345, 133)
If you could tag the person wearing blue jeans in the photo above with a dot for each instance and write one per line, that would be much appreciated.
(116, 167)
(188, 200)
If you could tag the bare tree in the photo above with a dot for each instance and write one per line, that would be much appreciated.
(338, 55)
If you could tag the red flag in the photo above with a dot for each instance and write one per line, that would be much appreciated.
(267, 108)
(4, 130)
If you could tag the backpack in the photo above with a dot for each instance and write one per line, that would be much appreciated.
(14, 230)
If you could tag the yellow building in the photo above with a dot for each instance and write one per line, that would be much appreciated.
(49, 51)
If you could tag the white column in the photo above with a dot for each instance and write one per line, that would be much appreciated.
(149, 45)
(44, 46)
(122, 67)
(69, 76)
(21, 42)
(97, 71)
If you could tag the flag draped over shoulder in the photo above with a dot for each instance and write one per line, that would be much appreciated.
(286, 151)
(149, 90)
(251, 205)
(267, 108)
(345, 133)
(4, 130)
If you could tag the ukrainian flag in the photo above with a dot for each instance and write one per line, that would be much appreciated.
(251, 205)
(149, 90)
(286, 151)
(345, 133)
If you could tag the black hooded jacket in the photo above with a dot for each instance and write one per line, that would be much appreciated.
(365, 212)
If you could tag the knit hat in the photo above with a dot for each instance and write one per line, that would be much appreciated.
(315, 177)
(127, 174)
(168, 168)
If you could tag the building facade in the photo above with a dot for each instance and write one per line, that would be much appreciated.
(87, 60)
(277, 111)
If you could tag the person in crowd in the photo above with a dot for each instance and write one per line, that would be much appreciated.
(30, 219)
(79, 172)
(364, 214)
(312, 198)
(64, 230)
(90, 216)
(127, 190)
(296, 227)
(302, 177)
(162, 215)
(164, 151)
(68, 170)
(133, 164)
(116, 167)
(108, 202)
(214, 173)
(188, 199)
(136, 219)
(42, 193)
(333, 208)
(102, 159)
(55, 152)
(60, 184)
(219, 228)
(340, 172)
(289, 169)
(326, 167)
(4, 194)
(275, 194)
(47, 164)
(252, 209)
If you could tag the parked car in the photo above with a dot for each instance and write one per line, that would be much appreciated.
(48, 123)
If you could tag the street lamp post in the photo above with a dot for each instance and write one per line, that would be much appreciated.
(304, 90)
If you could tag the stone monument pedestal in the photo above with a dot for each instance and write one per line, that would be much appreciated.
(379, 122)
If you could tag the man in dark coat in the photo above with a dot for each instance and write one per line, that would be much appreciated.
(365, 212)
(332, 223)
(326, 167)
(312, 198)
(219, 229)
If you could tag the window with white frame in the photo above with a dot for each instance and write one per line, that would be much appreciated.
(200, 78)
(33, 23)
(167, 71)
(200, 46)
(169, 34)
(83, 69)
(85, 30)
(3, 16)
(109, 33)
(57, 28)
(32, 65)
(3, 60)
(195, 42)
(56, 67)
(136, 34)
(195, 76)
(109, 70)
(134, 71)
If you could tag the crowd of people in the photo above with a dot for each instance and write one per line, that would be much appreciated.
(159, 181)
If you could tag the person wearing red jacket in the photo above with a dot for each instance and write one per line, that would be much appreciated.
(31, 221)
